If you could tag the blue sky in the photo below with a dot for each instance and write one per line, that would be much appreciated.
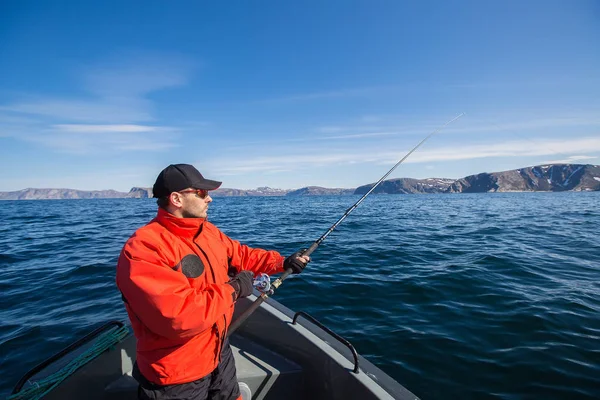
(103, 95)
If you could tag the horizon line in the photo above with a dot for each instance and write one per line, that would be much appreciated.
(299, 188)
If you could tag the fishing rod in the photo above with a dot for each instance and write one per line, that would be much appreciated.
(268, 288)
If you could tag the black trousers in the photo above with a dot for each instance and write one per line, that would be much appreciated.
(221, 384)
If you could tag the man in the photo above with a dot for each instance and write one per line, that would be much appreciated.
(180, 277)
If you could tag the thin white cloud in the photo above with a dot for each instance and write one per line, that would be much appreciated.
(7, 119)
(116, 91)
(360, 135)
(135, 74)
(85, 110)
(147, 145)
(530, 124)
(129, 128)
(108, 118)
(83, 179)
(271, 163)
(371, 118)
(517, 148)
(95, 139)
(571, 160)
(330, 129)
(421, 87)
(532, 148)
(467, 126)
(341, 93)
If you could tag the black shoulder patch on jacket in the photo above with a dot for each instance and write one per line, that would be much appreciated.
(191, 266)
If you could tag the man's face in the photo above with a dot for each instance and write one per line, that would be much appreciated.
(195, 203)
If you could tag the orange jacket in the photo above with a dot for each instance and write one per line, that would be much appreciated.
(172, 274)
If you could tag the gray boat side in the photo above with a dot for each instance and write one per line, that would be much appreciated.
(275, 358)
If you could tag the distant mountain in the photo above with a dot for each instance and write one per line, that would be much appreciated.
(37, 194)
(318, 191)
(408, 186)
(261, 191)
(548, 178)
(140, 193)
(542, 178)
(44, 194)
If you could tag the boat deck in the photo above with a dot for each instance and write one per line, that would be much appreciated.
(277, 355)
(267, 374)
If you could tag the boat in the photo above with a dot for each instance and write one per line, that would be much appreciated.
(279, 354)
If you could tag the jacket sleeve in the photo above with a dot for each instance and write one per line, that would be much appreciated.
(243, 257)
(162, 299)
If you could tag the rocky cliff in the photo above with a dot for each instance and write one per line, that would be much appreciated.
(261, 191)
(139, 193)
(37, 194)
(408, 186)
(542, 178)
(319, 191)
(41, 194)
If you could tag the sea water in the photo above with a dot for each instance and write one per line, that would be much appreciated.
(455, 296)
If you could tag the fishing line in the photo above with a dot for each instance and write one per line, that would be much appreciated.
(236, 324)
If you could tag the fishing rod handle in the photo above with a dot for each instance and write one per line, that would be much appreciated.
(244, 316)
(285, 274)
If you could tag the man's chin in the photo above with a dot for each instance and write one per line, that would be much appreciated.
(190, 215)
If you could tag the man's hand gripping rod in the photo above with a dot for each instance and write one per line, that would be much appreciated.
(236, 324)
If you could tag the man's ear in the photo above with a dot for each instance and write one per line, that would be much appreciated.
(176, 199)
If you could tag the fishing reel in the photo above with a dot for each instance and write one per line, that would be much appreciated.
(262, 283)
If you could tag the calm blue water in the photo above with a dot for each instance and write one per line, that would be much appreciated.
(455, 296)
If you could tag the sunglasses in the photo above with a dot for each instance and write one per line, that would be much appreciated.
(202, 193)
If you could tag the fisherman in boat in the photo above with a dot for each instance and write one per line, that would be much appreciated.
(180, 277)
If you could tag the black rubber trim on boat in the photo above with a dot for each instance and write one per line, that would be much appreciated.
(332, 333)
(64, 352)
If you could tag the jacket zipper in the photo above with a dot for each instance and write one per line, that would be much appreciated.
(223, 337)
(212, 272)
(220, 339)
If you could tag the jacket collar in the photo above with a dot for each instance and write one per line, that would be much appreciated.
(185, 227)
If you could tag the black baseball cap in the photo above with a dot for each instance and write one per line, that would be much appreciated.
(177, 177)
